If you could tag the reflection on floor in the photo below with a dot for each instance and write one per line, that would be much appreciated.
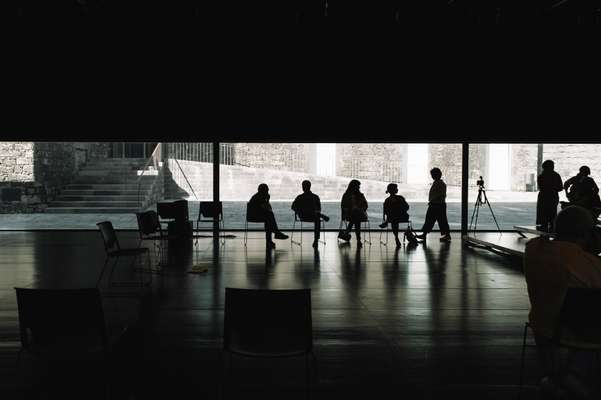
(424, 322)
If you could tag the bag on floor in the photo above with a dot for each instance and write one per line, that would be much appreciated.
(410, 236)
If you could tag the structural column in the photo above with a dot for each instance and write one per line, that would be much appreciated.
(216, 177)
(465, 158)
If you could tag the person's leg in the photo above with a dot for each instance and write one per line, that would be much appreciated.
(429, 222)
(356, 217)
(395, 231)
(316, 229)
(272, 226)
(443, 222)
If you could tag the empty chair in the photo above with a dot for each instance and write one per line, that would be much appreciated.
(64, 325)
(269, 324)
(114, 251)
(578, 328)
(207, 212)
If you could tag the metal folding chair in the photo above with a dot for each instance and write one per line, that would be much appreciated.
(206, 213)
(345, 220)
(251, 220)
(300, 219)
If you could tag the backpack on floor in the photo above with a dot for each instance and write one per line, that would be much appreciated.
(410, 236)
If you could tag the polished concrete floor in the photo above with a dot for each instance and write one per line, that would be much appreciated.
(432, 321)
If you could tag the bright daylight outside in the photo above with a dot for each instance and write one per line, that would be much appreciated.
(74, 185)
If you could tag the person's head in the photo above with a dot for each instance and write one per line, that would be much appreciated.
(584, 170)
(353, 186)
(263, 188)
(392, 188)
(574, 224)
(548, 165)
(306, 185)
(436, 173)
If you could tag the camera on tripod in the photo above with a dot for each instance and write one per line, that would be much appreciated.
(480, 183)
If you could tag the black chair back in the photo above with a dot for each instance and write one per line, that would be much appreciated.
(579, 316)
(268, 323)
(175, 210)
(60, 317)
(207, 209)
(109, 237)
(251, 215)
(148, 223)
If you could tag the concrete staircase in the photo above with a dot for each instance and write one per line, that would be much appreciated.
(104, 186)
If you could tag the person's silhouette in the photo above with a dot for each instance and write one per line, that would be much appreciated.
(395, 211)
(308, 208)
(354, 210)
(582, 190)
(549, 185)
(437, 208)
(259, 208)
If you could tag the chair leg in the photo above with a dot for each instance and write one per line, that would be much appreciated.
(292, 241)
(307, 376)
(102, 272)
(245, 232)
(522, 359)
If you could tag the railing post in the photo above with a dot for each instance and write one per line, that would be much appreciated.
(216, 178)
(465, 158)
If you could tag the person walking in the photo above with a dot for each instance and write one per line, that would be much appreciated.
(437, 208)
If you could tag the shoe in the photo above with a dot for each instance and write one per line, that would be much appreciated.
(270, 245)
(315, 244)
(445, 238)
(359, 244)
(383, 225)
(398, 243)
(280, 235)
(325, 218)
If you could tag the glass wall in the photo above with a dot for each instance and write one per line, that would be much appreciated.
(73, 185)
(510, 171)
(330, 167)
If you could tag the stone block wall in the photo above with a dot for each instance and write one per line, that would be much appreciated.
(382, 161)
(569, 158)
(524, 167)
(284, 156)
(32, 173)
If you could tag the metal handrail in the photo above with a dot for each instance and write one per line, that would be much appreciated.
(155, 158)
(186, 178)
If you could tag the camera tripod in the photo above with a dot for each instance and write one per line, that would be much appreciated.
(480, 202)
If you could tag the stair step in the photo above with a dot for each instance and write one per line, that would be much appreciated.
(117, 198)
(108, 192)
(102, 204)
(91, 210)
(106, 186)
(111, 179)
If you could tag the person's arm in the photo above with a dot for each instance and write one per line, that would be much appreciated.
(317, 204)
(558, 183)
(437, 192)
(404, 204)
(294, 204)
(363, 202)
(539, 182)
(595, 187)
(568, 183)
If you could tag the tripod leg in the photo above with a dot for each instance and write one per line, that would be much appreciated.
(491, 212)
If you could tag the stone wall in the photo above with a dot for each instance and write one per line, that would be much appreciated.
(524, 167)
(569, 158)
(284, 156)
(382, 162)
(33, 173)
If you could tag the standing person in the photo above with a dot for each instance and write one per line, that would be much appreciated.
(259, 208)
(354, 210)
(437, 208)
(308, 207)
(549, 185)
(395, 211)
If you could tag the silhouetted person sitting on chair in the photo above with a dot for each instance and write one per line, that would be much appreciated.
(259, 208)
(354, 210)
(581, 190)
(437, 208)
(308, 208)
(395, 211)
(550, 268)
(549, 185)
